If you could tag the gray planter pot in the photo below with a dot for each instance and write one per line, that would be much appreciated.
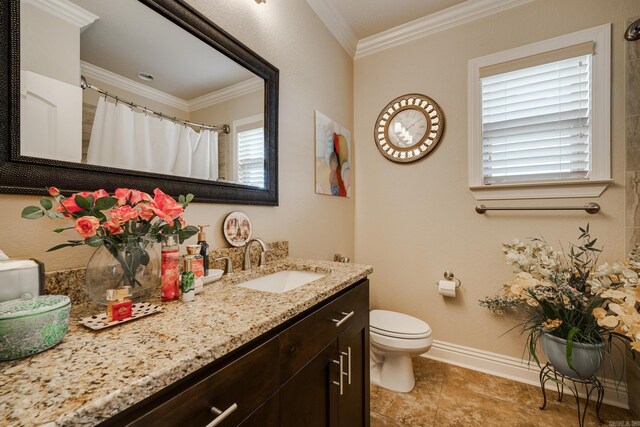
(587, 358)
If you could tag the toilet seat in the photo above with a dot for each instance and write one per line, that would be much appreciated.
(397, 325)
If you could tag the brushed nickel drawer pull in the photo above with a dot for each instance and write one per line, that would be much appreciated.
(348, 373)
(340, 364)
(344, 319)
(221, 415)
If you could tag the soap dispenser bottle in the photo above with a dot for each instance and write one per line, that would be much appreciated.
(204, 248)
(187, 282)
(170, 268)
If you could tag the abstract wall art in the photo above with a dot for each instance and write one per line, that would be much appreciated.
(334, 169)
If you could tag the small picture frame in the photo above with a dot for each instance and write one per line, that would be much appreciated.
(237, 228)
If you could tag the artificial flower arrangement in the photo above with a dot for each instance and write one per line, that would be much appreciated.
(119, 222)
(570, 296)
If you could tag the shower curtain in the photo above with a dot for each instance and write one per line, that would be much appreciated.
(127, 139)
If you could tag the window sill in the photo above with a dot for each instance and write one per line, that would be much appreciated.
(545, 190)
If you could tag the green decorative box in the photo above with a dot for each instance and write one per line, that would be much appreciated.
(29, 326)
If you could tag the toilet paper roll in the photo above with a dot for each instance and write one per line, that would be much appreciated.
(447, 288)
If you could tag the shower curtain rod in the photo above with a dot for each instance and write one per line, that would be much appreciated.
(85, 85)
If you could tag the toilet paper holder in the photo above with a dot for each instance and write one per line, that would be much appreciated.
(448, 275)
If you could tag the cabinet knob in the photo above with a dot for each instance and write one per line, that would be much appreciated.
(221, 415)
(344, 319)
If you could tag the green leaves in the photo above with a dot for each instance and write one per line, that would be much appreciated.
(104, 203)
(94, 241)
(60, 230)
(572, 332)
(32, 212)
(46, 203)
(187, 232)
(185, 200)
(82, 202)
(65, 245)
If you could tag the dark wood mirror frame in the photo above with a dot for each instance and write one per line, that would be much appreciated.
(28, 175)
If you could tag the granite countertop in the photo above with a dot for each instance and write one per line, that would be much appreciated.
(92, 376)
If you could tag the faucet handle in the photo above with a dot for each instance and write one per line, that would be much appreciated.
(228, 266)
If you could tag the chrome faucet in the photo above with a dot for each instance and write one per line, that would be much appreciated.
(228, 266)
(247, 254)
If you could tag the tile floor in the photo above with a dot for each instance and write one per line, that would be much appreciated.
(447, 395)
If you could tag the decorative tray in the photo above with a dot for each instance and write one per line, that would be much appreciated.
(139, 309)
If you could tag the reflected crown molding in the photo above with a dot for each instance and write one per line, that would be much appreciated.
(66, 11)
(433, 23)
(243, 88)
(335, 24)
(254, 84)
(94, 72)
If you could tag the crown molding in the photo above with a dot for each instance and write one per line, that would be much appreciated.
(430, 24)
(335, 24)
(94, 72)
(251, 85)
(66, 11)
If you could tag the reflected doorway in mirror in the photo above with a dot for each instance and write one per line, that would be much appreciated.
(333, 157)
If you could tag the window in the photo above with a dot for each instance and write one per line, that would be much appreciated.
(251, 157)
(249, 151)
(539, 119)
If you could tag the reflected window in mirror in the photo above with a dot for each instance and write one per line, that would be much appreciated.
(247, 150)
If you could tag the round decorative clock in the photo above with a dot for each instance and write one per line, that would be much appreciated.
(409, 128)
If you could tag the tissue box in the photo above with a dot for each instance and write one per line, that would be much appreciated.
(19, 277)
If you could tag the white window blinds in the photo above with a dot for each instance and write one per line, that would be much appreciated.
(536, 122)
(251, 157)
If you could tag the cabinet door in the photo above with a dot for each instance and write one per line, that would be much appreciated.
(240, 387)
(267, 415)
(353, 345)
(310, 397)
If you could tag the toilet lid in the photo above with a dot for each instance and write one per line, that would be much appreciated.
(393, 324)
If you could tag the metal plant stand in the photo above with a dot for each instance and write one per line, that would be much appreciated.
(590, 385)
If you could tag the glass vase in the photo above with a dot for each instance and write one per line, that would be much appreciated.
(134, 263)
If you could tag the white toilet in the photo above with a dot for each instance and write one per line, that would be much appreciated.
(395, 338)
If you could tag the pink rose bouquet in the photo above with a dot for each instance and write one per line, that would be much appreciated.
(114, 221)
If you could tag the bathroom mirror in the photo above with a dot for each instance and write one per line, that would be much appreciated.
(409, 128)
(134, 93)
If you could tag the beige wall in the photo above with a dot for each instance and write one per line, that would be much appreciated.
(315, 73)
(232, 109)
(416, 221)
(49, 45)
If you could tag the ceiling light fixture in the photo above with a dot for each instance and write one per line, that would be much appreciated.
(261, 1)
(146, 77)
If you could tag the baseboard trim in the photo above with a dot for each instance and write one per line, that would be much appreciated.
(511, 368)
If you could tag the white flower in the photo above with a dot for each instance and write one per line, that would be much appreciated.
(608, 321)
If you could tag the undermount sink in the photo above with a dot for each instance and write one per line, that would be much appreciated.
(282, 281)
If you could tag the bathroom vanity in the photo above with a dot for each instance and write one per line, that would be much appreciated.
(314, 372)
(234, 357)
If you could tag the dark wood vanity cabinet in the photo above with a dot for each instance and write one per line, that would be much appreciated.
(311, 371)
(327, 366)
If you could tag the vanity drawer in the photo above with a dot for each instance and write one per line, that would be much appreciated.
(245, 383)
(306, 338)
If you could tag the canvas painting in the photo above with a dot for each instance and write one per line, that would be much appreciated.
(333, 158)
